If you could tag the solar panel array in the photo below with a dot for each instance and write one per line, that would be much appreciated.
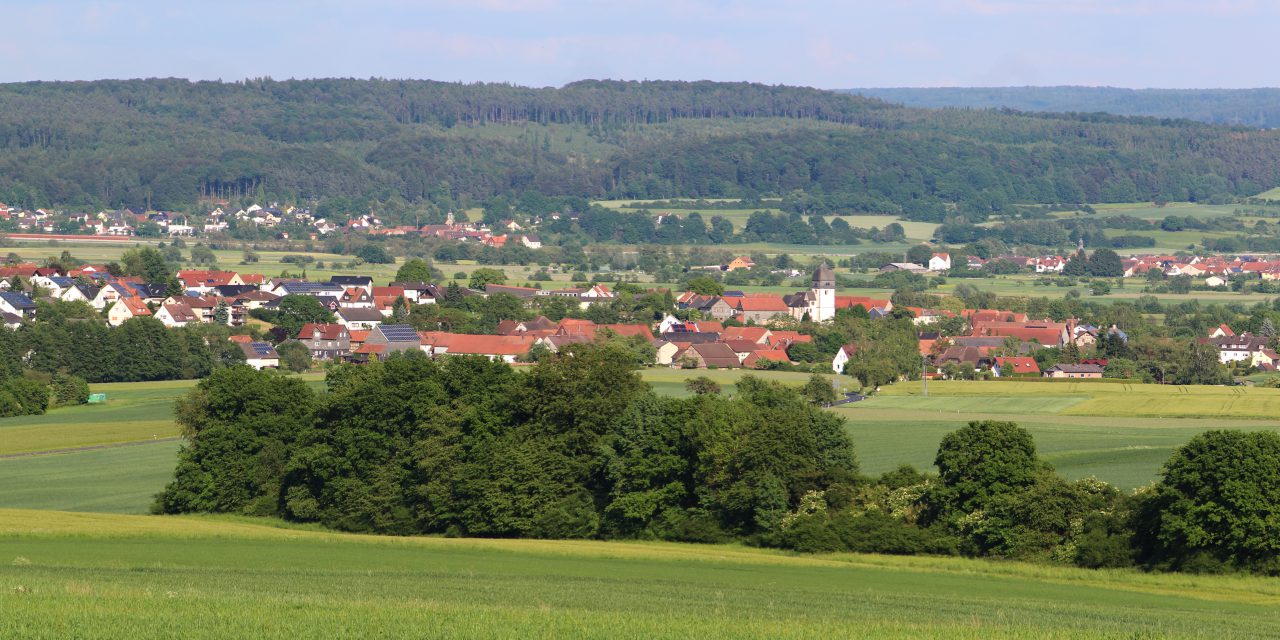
(399, 333)
(310, 287)
(17, 300)
(262, 349)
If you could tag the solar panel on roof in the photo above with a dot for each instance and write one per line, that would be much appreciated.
(261, 348)
(399, 333)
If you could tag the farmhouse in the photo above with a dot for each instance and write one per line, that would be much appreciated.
(1007, 366)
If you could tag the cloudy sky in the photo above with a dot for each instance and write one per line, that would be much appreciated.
(856, 43)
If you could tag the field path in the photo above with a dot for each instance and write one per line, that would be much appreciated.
(92, 447)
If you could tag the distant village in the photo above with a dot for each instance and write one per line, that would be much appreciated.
(734, 329)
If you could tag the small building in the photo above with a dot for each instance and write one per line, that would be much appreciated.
(260, 355)
(126, 308)
(1020, 366)
(940, 262)
(1074, 371)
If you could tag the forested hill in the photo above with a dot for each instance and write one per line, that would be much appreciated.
(1247, 107)
(368, 143)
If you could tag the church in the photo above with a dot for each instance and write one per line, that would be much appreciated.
(820, 302)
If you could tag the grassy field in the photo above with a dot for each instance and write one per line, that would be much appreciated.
(133, 412)
(101, 576)
(1118, 433)
(122, 479)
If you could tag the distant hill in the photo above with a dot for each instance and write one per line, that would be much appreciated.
(351, 145)
(1247, 107)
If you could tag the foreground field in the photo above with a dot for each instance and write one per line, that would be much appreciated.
(99, 576)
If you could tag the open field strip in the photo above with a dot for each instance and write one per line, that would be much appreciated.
(100, 576)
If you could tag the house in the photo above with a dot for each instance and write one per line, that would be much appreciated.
(359, 318)
(505, 348)
(1074, 371)
(664, 351)
(760, 358)
(17, 303)
(260, 355)
(531, 242)
(1049, 334)
(842, 357)
(741, 262)
(416, 292)
(326, 341)
(1221, 331)
(1215, 281)
(176, 314)
(299, 288)
(760, 308)
(940, 262)
(909, 267)
(755, 335)
(349, 282)
(389, 338)
(125, 309)
(709, 306)
(710, 354)
(973, 357)
(355, 298)
(1025, 366)
(204, 281)
(1241, 348)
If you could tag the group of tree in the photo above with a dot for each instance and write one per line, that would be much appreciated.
(579, 447)
(71, 339)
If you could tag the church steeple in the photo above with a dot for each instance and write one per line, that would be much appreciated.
(824, 277)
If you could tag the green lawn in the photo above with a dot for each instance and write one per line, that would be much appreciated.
(98, 576)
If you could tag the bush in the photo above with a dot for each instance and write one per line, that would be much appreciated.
(69, 390)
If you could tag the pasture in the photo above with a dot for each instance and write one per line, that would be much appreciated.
(104, 576)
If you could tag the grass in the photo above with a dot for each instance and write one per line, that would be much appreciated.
(670, 382)
(100, 576)
(1119, 433)
(114, 480)
(133, 412)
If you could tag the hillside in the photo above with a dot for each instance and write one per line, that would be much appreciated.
(365, 143)
(1259, 108)
(103, 576)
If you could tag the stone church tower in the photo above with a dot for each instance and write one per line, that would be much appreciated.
(824, 294)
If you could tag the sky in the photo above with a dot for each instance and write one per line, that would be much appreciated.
(829, 45)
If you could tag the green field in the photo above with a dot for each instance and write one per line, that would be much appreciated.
(1119, 433)
(100, 576)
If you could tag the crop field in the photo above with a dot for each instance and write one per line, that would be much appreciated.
(1117, 432)
(104, 576)
(670, 382)
(133, 412)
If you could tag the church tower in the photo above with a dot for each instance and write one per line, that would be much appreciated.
(824, 294)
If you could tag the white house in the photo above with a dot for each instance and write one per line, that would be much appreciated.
(260, 355)
(940, 262)
(1215, 281)
(842, 357)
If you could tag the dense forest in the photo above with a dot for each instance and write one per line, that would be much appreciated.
(367, 143)
(1248, 107)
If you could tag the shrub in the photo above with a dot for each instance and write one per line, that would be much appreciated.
(69, 390)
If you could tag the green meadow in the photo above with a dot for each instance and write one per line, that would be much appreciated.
(103, 576)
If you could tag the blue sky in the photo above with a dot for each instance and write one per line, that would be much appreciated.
(1127, 43)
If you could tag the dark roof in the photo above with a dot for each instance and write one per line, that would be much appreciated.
(824, 273)
(18, 300)
(310, 288)
(350, 280)
(360, 315)
(717, 354)
(399, 333)
(258, 350)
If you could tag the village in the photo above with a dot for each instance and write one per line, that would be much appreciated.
(729, 330)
